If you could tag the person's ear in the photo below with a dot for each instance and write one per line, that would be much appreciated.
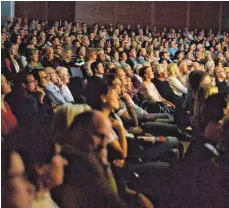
(103, 98)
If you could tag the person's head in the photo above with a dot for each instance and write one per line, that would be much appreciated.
(64, 117)
(42, 78)
(198, 78)
(146, 73)
(43, 162)
(33, 41)
(195, 66)
(17, 191)
(133, 53)
(226, 69)
(82, 51)
(220, 73)
(33, 55)
(210, 67)
(160, 72)
(95, 136)
(92, 54)
(121, 75)
(13, 50)
(42, 36)
(101, 55)
(123, 56)
(67, 55)
(5, 86)
(173, 70)
(128, 70)
(51, 73)
(63, 74)
(97, 68)
(116, 55)
(48, 53)
(183, 67)
(215, 107)
(29, 83)
(58, 50)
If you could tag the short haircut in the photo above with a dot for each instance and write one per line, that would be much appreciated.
(143, 71)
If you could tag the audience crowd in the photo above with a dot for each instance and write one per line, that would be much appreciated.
(113, 116)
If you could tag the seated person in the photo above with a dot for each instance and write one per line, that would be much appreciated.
(221, 79)
(148, 90)
(163, 86)
(31, 104)
(9, 123)
(64, 78)
(47, 82)
(33, 61)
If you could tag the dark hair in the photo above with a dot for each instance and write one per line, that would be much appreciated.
(195, 78)
(142, 71)
(214, 107)
(94, 66)
(79, 136)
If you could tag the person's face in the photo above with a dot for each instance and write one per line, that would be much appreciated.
(149, 73)
(94, 56)
(112, 99)
(14, 50)
(59, 51)
(51, 54)
(83, 51)
(133, 53)
(165, 65)
(35, 57)
(57, 41)
(43, 36)
(100, 68)
(122, 77)
(56, 168)
(124, 56)
(22, 191)
(129, 72)
(34, 41)
(44, 78)
(5, 86)
(212, 67)
(143, 52)
(116, 56)
(101, 56)
(184, 67)
(68, 41)
(65, 77)
(102, 132)
(31, 83)
(129, 84)
(140, 32)
(221, 73)
(117, 86)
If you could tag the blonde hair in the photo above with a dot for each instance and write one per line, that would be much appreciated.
(60, 70)
(173, 70)
(202, 94)
(158, 70)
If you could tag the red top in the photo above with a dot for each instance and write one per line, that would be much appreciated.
(9, 121)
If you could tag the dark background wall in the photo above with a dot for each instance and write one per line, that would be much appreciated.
(165, 14)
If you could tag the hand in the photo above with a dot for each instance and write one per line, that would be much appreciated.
(116, 124)
(102, 156)
(171, 105)
(144, 201)
(119, 163)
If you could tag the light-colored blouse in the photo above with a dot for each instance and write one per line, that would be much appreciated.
(177, 87)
